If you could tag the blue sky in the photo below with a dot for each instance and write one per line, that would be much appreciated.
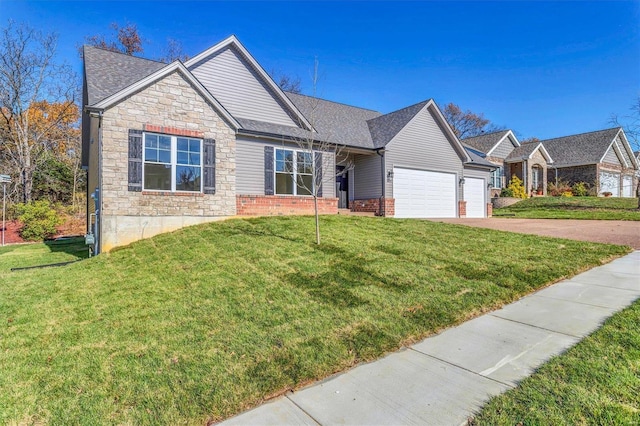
(543, 69)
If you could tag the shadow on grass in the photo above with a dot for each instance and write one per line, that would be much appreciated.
(74, 246)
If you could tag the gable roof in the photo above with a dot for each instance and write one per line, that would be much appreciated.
(487, 142)
(385, 127)
(175, 66)
(526, 151)
(233, 42)
(477, 158)
(583, 148)
(108, 72)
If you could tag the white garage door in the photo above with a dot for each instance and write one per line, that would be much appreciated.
(421, 194)
(610, 182)
(474, 193)
(627, 186)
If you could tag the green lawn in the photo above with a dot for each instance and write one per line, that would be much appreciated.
(573, 208)
(28, 255)
(597, 382)
(199, 324)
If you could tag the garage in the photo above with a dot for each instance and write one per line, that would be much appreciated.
(474, 194)
(424, 194)
(627, 186)
(610, 182)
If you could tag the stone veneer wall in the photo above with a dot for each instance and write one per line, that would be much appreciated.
(173, 104)
(275, 205)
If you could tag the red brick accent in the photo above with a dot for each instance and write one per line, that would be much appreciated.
(274, 205)
(372, 205)
(489, 210)
(462, 208)
(173, 131)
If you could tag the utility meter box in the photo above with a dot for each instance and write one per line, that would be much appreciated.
(89, 239)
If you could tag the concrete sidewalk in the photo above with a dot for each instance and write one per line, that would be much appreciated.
(445, 379)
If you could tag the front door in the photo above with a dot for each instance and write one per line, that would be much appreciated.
(342, 187)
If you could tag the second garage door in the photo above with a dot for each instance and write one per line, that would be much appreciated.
(474, 194)
(424, 194)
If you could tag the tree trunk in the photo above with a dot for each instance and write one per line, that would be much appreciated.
(27, 185)
(315, 207)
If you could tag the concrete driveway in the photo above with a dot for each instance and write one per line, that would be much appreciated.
(623, 232)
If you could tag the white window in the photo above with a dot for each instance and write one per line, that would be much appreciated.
(496, 178)
(294, 172)
(172, 163)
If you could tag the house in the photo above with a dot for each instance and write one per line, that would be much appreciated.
(603, 159)
(171, 145)
(529, 163)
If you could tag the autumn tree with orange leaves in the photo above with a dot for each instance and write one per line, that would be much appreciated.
(38, 116)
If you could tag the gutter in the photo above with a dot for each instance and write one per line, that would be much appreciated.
(381, 210)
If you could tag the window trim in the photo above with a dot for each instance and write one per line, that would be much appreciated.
(173, 162)
(493, 178)
(294, 172)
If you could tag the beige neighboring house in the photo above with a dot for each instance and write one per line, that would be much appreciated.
(529, 163)
(603, 159)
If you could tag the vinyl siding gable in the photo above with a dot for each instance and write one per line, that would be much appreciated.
(624, 152)
(611, 157)
(233, 82)
(504, 148)
(422, 144)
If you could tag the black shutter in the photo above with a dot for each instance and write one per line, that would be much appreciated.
(269, 175)
(135, 160)
(209, 166)
(318, 173)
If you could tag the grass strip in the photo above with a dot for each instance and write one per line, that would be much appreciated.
(596, 382)
(598, 208)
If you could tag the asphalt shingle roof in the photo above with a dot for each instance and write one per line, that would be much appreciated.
(336, 122)
(523, 152)
(109, 72)
(385, 127)
(585, 148)
(485, 142)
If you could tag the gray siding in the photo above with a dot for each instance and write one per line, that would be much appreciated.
(624, 152)
(423, 145)
(611, 157)
(250, 167)
(232, 81)
(503, 149)
(366, 177)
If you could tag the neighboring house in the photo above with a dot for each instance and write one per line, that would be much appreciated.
(503, 149)
(171, 145)
(604, 159)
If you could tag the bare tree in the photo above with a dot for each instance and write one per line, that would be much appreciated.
(127, 40)
(286, 82)
(309, 160)
(36, 100)
(173, 52)
(466, 124)
(631, 125)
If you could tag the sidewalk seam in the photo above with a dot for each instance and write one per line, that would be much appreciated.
(510, 386)
(575, 301)
(538, 327)
(303, 410)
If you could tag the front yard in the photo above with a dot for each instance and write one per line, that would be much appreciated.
(613, 208)
(200, 324)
